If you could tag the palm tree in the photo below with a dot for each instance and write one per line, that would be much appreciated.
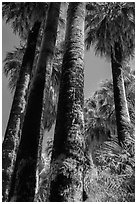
(99, 111)
(51, 98)
(129, 82)
(51, 91)
(12, 134)
(111, 29)
(97, 127)
(104, 147)
(22, 15)
(12, 68)
(24, 178)
(68, 147)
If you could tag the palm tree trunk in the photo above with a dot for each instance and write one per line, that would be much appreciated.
(68, 148)
(13, 131)
(24, 179)
(121, 107)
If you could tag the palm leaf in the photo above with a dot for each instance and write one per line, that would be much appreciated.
(12, 65)
(107, 23)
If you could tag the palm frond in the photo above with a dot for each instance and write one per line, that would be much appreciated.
(22, 15)
(108, 23)
(12, 66)
(99, 110)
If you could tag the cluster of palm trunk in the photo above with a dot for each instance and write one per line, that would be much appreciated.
(22, 141)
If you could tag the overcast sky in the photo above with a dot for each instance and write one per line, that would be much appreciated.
(96, 70)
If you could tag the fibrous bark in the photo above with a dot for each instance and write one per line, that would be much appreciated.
(68, 148)
(24, 180)
(121, 107)
(14, 127)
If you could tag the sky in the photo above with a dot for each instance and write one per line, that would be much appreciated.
(96, 70)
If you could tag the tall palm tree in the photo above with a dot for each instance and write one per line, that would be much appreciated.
(129, 82)
(12, 135)
(68, 148)
(111, 29)
(24, 179)
(51, 91)
(49, 113)
(12, 68)
(100, 120)
(13, 60)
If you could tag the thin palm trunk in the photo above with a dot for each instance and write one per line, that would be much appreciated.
(68, 148)
(121, 107)
(24, 179)
(13, 131)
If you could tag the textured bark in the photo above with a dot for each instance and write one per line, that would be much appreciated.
(68, 148)
(121, 107)
(24, 179)
(13, 131)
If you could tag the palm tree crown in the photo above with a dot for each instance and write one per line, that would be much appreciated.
(110, 23)
(22, 15)
(99, 110)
